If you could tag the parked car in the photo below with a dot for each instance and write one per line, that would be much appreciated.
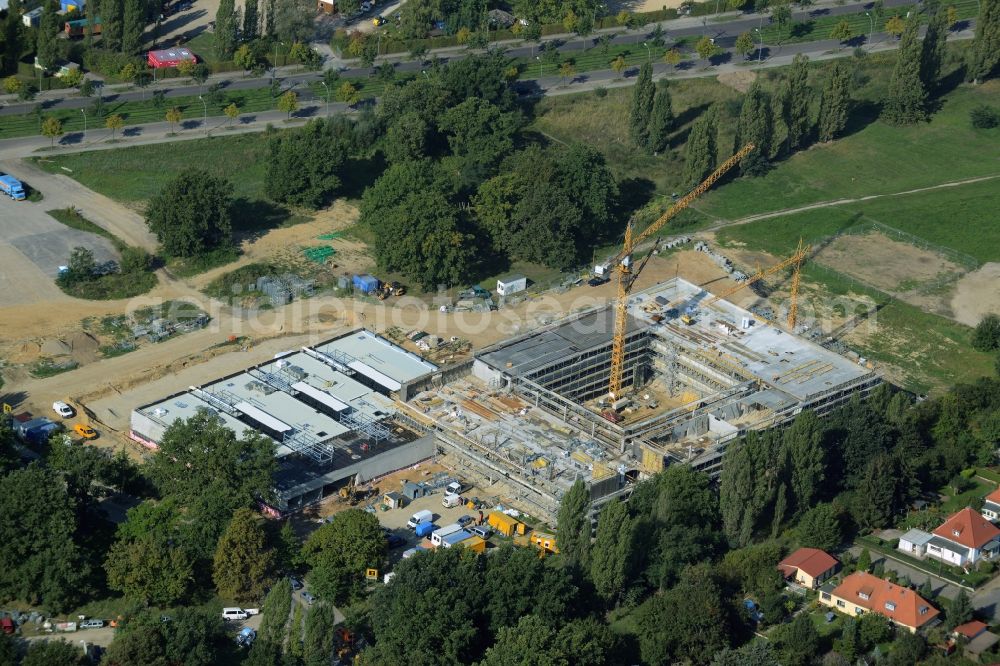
(85, 431)
(62, 409)
(598, 281)
(394, 540)
(296, 583)
(482, 531)
(308, 597)
(246, 637)
(234, 614)
(92, 624)
(464, 520)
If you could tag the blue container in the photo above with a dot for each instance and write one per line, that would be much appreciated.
(424, 529)
(366, 284)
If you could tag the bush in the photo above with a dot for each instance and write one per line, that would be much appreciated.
(984, 117)
(600, 92)
(986, 337)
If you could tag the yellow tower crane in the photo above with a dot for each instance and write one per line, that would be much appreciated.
(801, 252)
(626, 278)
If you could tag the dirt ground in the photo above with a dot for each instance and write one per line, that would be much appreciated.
(738, 81)
(977, 294)
(641, 5)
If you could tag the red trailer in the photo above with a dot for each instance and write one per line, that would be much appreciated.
(170, 57)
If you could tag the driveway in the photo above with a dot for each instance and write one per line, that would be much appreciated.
(941, 588)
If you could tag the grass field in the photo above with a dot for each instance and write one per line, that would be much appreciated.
(924, 214)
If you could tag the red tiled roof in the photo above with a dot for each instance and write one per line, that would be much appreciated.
(899, 604)
(812, 561)
(968, 528)
(970, 629)
(994, 496)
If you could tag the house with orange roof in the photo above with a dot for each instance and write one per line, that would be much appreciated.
(963, 539)
(862, 593)
(808, 567)
(991, 506)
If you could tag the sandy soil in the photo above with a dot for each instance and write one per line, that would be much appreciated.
(977, 294)
(903, 270)
(738, 81)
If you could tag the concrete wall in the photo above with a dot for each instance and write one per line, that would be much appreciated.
(145, 430)
(452, 373)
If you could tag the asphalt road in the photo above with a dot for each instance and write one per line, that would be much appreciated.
(724, 33)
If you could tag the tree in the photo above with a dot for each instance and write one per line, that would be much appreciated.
(781, 14)
(225, 29)
(894, 26)
(112, 17)
(173, 116)
(611, 562)
(754, 568)
(193, 636)
(619, 65)
(114, 122)
(906, 101)
(744, 44)
(45, 563)
(984, 56)
(304, 165)
(53, 652)
(986, 336)
(52, 128)
(80, 266)
(47, 46)
(533, 641)
(835, 103)
(244, 57)
(232, 112)
(348, 94)
(795, 103)
(842, 31)
(480, 133)
(340, 552)
(289, 103)
(289, 548)
(933, 48)
(293, 21)
(661, 122)
(251, 21)
(150, 569)
(700, 152)
(319, 639)
(875, 501)
(573, 525)
(133, 23)
(672, 57)
(12, 38)
(757, 653)
(960, 611)
(820, 527)
(642, 106)
(687, 622)
(566, 70)
(798, 643)
(706, 48)
(243, 564)
(12, 85)
(756, 126)
(191, 214)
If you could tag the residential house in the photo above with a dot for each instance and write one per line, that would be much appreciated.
(964, 539)
(808, 567)
(975, 638)
(914, 543)
(991, 506)
(862, 593)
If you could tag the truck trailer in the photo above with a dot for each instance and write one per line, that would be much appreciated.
(12, 187)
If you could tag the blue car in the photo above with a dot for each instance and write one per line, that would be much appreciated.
(394, 540)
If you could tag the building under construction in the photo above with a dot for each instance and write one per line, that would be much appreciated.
(699, 372)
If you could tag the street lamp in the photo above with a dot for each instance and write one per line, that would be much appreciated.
(649, 55)
(323, 83)
(539, 59)
(84, 124)
(760, 49)
(274, 69)
(205, 117)
(871, 31)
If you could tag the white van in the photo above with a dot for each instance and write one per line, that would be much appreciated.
(234, 614)
(442, 532)
(424, 516)
(451, 500)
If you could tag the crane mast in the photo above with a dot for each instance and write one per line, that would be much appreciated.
(626, 278)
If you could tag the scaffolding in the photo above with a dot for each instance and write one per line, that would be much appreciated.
(336, 359)
(364, 423)
(305, 443)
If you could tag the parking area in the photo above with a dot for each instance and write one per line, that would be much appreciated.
(33, 246)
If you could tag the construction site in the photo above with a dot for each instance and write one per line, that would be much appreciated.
(671, 374)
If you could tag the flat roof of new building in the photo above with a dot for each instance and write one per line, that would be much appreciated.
(380, 356)
(186, 405)
(532, 351)
(780, 359)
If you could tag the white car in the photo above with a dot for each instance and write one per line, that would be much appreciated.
(62, 409)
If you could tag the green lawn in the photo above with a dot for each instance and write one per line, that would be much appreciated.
(927, 215)
(957, 502)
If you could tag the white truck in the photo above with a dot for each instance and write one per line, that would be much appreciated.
(419, 517)
(451, 500)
